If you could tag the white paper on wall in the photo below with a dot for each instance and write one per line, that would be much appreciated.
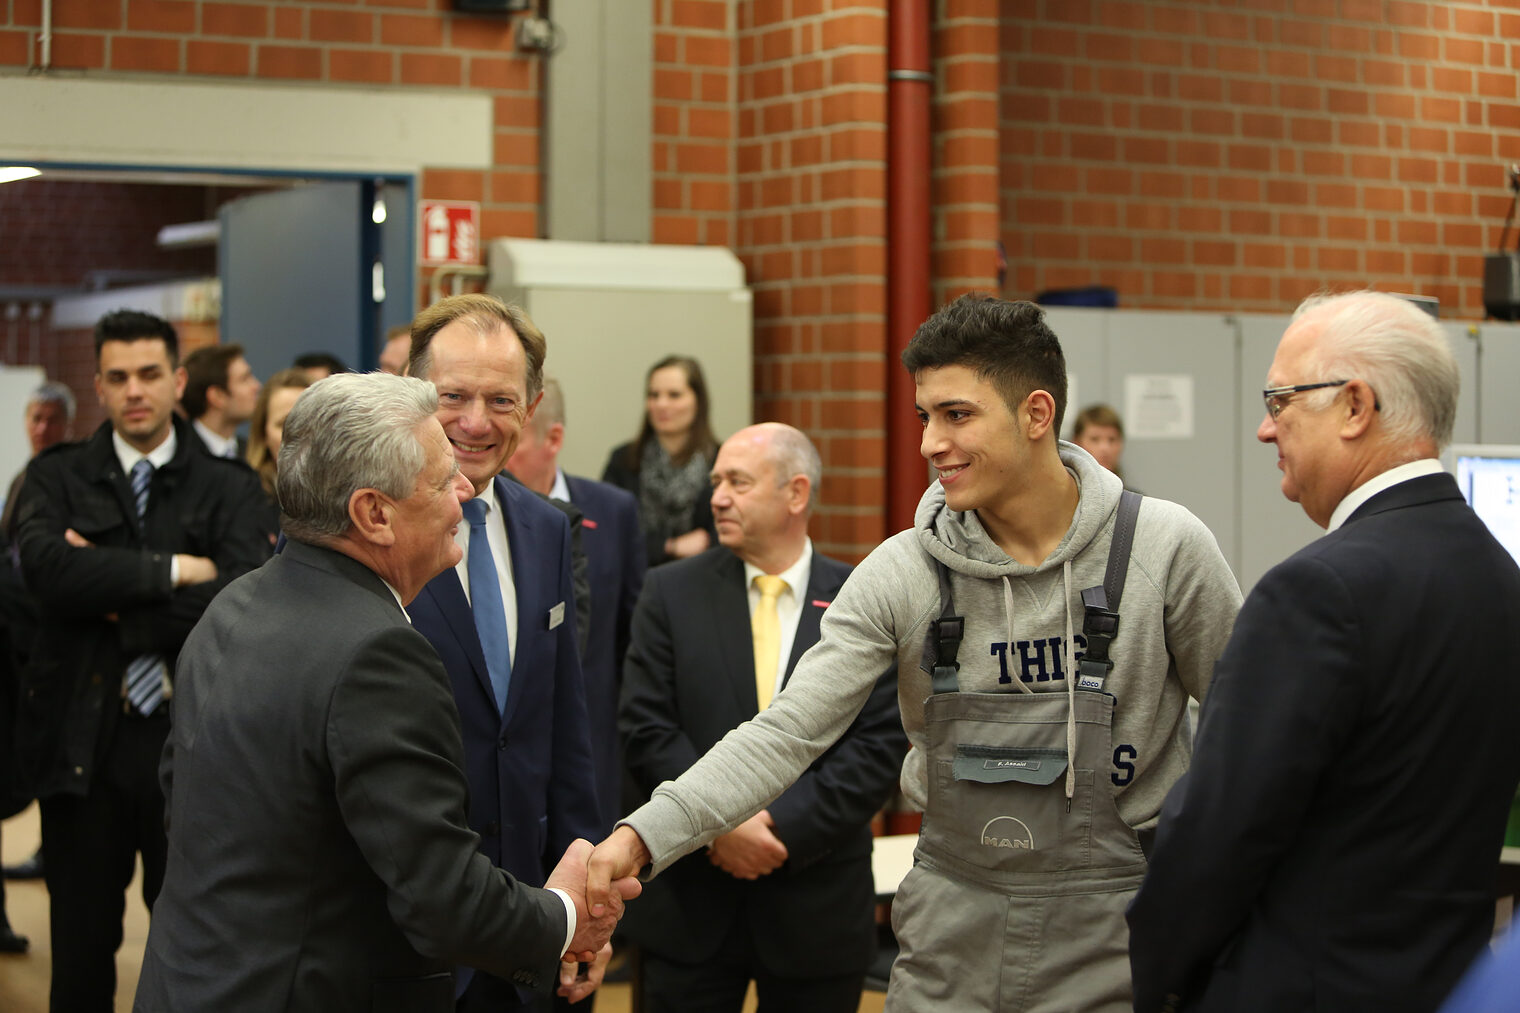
(1158, 406)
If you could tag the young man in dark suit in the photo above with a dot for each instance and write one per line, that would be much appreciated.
(504, 619)
(615, 554)
(1333, 846)
(220, 395)
(124, 539)
(320, 858)
(786, 897)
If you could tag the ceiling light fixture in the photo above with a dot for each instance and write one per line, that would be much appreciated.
(10, 173)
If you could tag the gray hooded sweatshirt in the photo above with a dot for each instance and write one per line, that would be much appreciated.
(1178, 609)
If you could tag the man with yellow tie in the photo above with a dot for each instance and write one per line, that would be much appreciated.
(785, 899)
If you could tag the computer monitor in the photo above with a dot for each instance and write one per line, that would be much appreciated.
(1489, 477)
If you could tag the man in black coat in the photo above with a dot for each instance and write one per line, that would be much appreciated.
(1333, 846)
(320, 857)
(786, 898)
(124, 539)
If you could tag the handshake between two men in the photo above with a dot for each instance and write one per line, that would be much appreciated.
(585, 959)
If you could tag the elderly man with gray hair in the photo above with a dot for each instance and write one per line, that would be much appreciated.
(319, 855)
(49, 419)
(1333, 846)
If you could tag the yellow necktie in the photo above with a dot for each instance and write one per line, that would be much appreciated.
(765, 630)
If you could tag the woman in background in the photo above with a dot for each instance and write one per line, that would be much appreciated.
(667, 465)
(1099, 431)
(265, 429)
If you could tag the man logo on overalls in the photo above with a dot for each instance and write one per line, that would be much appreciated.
(1007, 832)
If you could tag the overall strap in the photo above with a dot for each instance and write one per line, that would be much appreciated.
(943, 640)
(1100, 605)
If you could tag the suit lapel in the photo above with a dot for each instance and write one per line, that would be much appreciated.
(522, 535)
(728, 599)
(823, 584)
(450, 601)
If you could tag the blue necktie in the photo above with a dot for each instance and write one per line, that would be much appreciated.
(145, 673)
(486, 604)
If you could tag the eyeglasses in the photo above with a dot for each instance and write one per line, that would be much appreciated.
(1276, 398)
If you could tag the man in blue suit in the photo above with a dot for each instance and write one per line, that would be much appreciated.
(615, 557)
(503, 620)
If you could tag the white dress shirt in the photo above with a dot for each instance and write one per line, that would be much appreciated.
(561, 488)
(496, 534)
(788, 606)
(219, 445)
(128, 456)
(1377, 483)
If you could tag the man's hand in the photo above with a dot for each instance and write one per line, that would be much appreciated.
(574, 985)
(621, 855)
(77, 540)
(750, 850)
(592, 930)
(195, 570)
(693, 543)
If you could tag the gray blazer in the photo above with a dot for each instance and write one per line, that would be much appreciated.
(319, 857)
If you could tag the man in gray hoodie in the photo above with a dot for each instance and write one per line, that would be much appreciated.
(1045, 731)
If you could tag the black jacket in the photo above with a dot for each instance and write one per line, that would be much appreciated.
(689, 678)
(1333, 845)
(103, 605)
(620, 472)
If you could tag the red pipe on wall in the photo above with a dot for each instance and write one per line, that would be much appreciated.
(910, 89)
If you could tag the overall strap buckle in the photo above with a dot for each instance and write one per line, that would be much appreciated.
(943, 641)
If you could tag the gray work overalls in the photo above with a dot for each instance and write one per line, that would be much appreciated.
(1023, 869)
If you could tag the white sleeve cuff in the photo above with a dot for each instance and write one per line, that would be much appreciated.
(569, 918)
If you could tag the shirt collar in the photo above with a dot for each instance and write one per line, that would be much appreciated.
(488, 498)
(1378, 483)
(561, 488)
(219, 445)
(796, 575)
(129, 455)
(396, 595)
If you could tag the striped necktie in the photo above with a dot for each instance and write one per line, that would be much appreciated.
(146, 672)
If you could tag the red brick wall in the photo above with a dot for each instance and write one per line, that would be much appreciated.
(694, 122)
(811, 221)
(55, 231)
(966, 227)
(1210, 155)
(376, 42)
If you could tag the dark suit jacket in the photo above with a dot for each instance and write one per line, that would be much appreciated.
(532, 790)
(688, 679)
(615, 554)
(580, 569)
(1334, 844)
(197, 504)
(318, 852)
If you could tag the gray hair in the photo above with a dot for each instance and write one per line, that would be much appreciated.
(350, 431)
(792, 453)
(551, 409)
(53, 392)
(1398, 349)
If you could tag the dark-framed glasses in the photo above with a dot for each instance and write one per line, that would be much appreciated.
(1276, 398)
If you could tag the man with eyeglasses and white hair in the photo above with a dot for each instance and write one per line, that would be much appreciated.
(1334, 844)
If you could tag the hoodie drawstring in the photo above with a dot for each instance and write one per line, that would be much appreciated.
(1071, 695)
(1067, 665)
(1008, 615)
